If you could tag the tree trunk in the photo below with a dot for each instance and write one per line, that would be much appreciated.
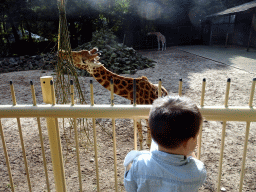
(14, 30)
(30, 40)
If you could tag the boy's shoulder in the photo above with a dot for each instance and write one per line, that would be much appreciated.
(196, 162)
(168, 162)
(133, 156)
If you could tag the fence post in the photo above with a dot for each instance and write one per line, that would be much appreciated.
(53, 133)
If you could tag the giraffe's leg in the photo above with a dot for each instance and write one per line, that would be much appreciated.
(149, 135)
(158, 45)
(139, 126)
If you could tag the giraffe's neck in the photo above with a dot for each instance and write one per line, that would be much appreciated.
(159, 36)
(123, 86)
(146, 92)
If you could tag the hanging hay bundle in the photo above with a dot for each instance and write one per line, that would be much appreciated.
(65, 67)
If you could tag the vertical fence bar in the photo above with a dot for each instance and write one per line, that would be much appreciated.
(159, 88)
(244, 156)
(134, 120)
(203, 92)
(115, 159)
(21, 139)
(180, 87)
(53, 132)
(41, 138)
(135, 133)
(201, 127)
(246, 139)
(223, 136)
(13, 94)
(6, 156)
(252, 92)
(114, 134)
(77, 156)
(227, 92)
(91, 89)
(112, 92)
(96, 153)
(134, 92)
(95, 140)
(72, 93)
(76, 137)
(221, 154)
(24, 154)
(33, 93)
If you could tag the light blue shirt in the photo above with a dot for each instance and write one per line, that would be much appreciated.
(157, 171)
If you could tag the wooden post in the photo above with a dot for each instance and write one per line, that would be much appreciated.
(54, 137)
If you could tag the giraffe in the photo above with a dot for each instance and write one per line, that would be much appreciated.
(146, 92)
(161, 38)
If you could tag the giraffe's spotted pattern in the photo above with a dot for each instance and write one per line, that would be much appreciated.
(146, 92)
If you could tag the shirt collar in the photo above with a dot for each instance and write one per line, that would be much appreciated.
(168, 158)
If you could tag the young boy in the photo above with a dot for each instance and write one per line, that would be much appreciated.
(171, 164)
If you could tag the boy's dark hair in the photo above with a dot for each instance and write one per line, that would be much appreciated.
(173, 120)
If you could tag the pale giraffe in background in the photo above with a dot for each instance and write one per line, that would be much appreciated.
(146, 92)
(161, 38)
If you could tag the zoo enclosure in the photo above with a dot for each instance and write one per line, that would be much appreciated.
(53, 111)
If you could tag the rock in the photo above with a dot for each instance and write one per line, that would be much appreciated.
(11, 60)
(38, 57)
(5, 71)
(30, 66)
(109, 48)
(91, 160)
(113, 55)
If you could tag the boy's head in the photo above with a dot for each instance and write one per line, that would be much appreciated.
(174, 120)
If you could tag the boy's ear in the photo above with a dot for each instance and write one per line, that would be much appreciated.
(187, 142)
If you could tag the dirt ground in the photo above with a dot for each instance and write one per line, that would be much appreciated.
(171, 65)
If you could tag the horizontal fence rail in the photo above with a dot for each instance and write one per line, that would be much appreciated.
(52, 111)
(211, 113)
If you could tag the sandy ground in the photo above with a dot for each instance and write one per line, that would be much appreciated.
(171, 65)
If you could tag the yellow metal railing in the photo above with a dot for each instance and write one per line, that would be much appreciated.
(53, 111)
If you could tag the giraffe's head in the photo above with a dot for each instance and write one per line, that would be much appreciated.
(91, 58)
(82, 57)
